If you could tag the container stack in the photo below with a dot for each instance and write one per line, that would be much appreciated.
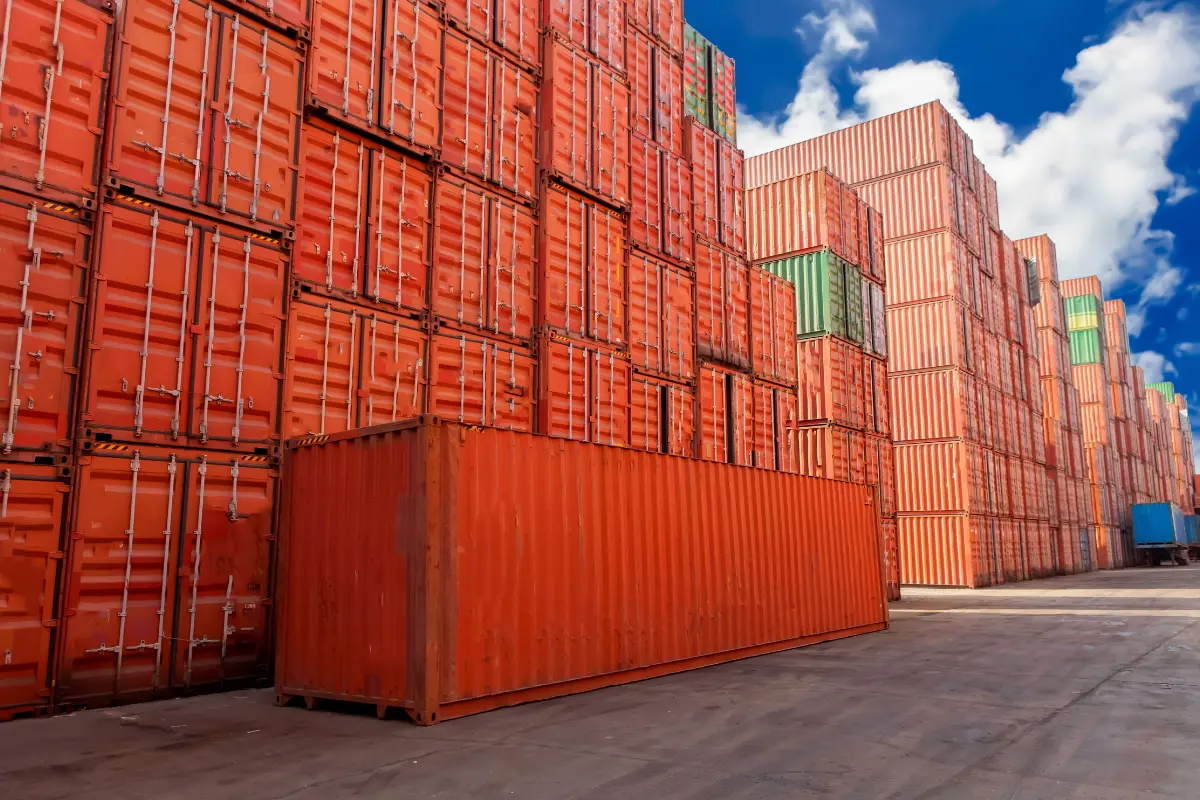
(1083, 301)
(972, 495)
(1175, 431)
(1125, 416)
(1066, 472)
(815, 232)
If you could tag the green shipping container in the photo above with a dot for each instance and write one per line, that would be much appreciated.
(854, 304)
(1166, 389)
(820, 281)
(697, 100)
(1086, 347)
(1083, 312)
(724, 94)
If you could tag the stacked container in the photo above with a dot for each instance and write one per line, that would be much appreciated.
(1071, 516)
(1125, 419)
(971, 490)
(1083, 301)
(818, 235)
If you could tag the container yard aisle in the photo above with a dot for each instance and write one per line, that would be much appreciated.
(1078, 687)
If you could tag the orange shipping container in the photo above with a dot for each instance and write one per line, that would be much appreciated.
(583, 392)
(948, 550)
(733, 197)
(798, 215)
(645, 181)
(774, 428)
(772, 327)
(206, 112)
(939, 404)
(662, 416)
(582, 257)
(168, 576)
(832, 383)
(479, 381)
(941, 478)
(878, 396)
(187, 335)
(932, 336)
(702, 153)
(914, 203)
(450, 665)
(661, 318)
(722, 305)
(44, 278)
(411, 96)
(661, 18)
(678, 239)
(484, 252)
(33, 509)
(932, 266)
(511, 24)
(56, 65)
(832, 452)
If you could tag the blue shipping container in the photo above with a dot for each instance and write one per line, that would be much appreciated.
(1157, 525)
(1189, 526)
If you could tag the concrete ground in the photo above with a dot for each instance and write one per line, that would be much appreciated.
(1084, 687)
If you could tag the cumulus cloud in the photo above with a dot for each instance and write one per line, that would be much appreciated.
(1187, 349)
(1092, 176)
(1155, 365)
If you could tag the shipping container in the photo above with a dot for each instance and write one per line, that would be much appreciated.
(321, 371)
(722, 305)
(47, 248)
(931, 336)
(33, 505)
(484, 260)
(581, 289)
(363, 221)
(678, 238)
(512, 25)
(948, 550)
(646, 224)
(877, 397)
(392, 372)
(941, 478)
(920, 202)
(703, 154)
(168, 574)
(832, 382)
(585, 124)
(822, 294)
(344, 67)
(772, 327)
(932, 266)
(187, 331)
(725, 419)
(206, 112)
(662, 318)
(662, 19)
(733, 197)
(832, 452)
(481, 381)
(662, 416)
(798, 215)
(583, 392)
(453, 665)
(56, 71)
(724, 95)
(412, 76)
(697, 90)
(591, 26)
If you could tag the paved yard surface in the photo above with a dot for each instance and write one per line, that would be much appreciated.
(1085, 687)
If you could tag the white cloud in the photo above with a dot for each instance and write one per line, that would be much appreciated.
(1182, 314)
(1154, 365)
(1091, 176)
(1187, 349)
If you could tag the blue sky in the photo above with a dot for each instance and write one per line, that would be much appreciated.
(1084, 111)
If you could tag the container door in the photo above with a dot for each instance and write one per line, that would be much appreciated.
(343, 73)
(511, 266)
(764, 452)
(568, 19)
(566, 120)
(460, 253)
(715, 434)
(242, 301)
(412, 73)
(55, 58)
(467, 106)
(44, 275)
(562, 297)
(333, 185)
(257, 127)
(762, 320)
(606, 276)
(610, 135)
(121, 593)
(661, 417)
(677, 209)
(608, 32)
(706, 196)
(392, 372)
(678, 324)
(645, 214)
(668, 101)
(481, 383)
(517, 30)
(668, 23)
(741, 418)
(642, 89)
(786, 403)
(323, 341)
(514, 165)
(141, 343)
(646, 312)
(397, 235)
(737, 306)
(733, 199)
(512, 385)
(565, 399)
(471, 16)
(710, 301)
(32, 502)
(610, 408)
(225, 556)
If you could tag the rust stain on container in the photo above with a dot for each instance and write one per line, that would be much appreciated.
(449, 553)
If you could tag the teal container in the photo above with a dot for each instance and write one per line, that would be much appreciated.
(697, 94)
(1086, 347)
(1084, 312)
(1166, 389)
(828, 294)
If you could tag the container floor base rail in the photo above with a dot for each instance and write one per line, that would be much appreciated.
(442, 713)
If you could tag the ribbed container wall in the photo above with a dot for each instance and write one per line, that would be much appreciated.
(800, 563)
(962, 353)
(240, 223)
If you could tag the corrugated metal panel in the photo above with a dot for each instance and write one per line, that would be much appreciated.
(935, 477)
(1042, 251)
(832, 452)
(478, 381)
(668, 101)
(678, 239)
(35, 504)
(855, 330)
(744, 519)
(799, 215)
(722, 305)
(646, 211)
(661, 416)
(1087, 347)
(940, 404)
(885, 146)
(936, 550)
(913, 203)
(583, 392)
(772, 327)
(1083, 312)
(820, 280)
(696, 88)
(929, 267)
(1091, 381)
(661, 317)
(930, 336)
(703, 154)
(733, 197)
(410, 108)
(724, 86)
(831, 382)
